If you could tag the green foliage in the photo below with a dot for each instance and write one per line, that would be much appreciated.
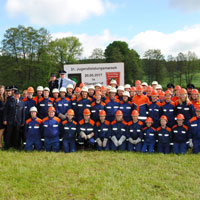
(98, 175)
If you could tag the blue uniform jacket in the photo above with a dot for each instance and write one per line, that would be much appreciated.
(168, 109)
(87, 128)
(28, 103)
(112, 105)
(103, 130)
(95, 108)
(135, 130)
(194, 128)
(68, 130)
(149, 135)
(164, 135)
(126, 108)
(180, 134)
(119, 129)
(62, 105)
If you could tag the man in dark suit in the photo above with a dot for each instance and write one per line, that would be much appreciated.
(14, 118)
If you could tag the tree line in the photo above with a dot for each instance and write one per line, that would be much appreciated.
(29, 55)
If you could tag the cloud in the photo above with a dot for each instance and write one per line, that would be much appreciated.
(90, 42)
(185, 5)
(51, 12)
(183, 41)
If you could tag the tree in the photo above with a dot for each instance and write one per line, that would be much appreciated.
(171, 68)
(97, 53)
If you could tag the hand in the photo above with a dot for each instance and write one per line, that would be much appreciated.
(5, 123)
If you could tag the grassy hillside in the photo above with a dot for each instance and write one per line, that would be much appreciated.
(98, 175)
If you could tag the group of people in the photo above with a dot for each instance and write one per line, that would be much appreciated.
(141, 118)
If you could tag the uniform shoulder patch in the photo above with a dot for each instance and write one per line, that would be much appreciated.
(168, 129)
(41, 99)
(193, 119)
(81, 122)
(186, 128)
(93, 104)
(57, 119)
(66, 98)
(153, 128)
(107, 122)
(140, 123)
(39, 120)
(28, 120)
(107, 100)
(64, 122)
(124, 122)
(25, 99)
(102, 103)
(174, 126)
(158, 129)
(113, 122)
(74, 122)
(144, 128)
(45, 119)
(58, 99)
(130, 123)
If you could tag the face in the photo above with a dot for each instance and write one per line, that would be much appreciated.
(154, 98)
(51, 113)
(102, 118)
(183, 97)
(78, 94)
(148, 124)
(30, 95)
(97, 88)
(148, 92)
(139, 92)
(154, 86)
(112, 95)
(120, 92)
(103, 92)
(1, 90)
(132, 94)
(135, 118)
(125, 98)
(119, 118)
(46, 94)
(62, 76)
(70, 117)
(158, 90)
(69, 90)
(113, 85)
(62, 94)
(195, 96)
(9, 92)
(98, 97)
(171, 89)
(189, 90)
(167, 97)
(163, 122)
(25, 94)
(86, 117)
(52, 78)
(55, 95)
(33, 114)
(177, 92)
(91, 92)
(39, 93)
(84, 94)
(17, 96)
(144, 87)
(180, 122)
(197, 113)
(127, 89)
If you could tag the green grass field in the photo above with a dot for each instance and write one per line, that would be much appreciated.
(98, 175)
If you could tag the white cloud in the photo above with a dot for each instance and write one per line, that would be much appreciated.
(184, 40)
(90, 42)
(185, 5)
(50, 12)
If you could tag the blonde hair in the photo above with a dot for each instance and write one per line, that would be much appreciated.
(187, 100)
(2, 96)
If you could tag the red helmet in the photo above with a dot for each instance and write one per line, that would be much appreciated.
(178, 87)
(139, 88)
(195, 91)
(70, 112)
(163, 117)
(119, 112)
(51, 108)
(86, 111)
(183, 91)
(149, 119)
(154, 93)
(102, 113)
(103, 88)
(78, 89)
(81, 85)
(135, 113)
(133, 89)
(30, 89)
(168, 92)
(149, 88)
(197, 107)
(138, 82)
(180, 116)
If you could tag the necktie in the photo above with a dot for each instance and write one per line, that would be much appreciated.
(61, 82)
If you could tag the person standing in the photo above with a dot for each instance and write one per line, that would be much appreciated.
(63, 81)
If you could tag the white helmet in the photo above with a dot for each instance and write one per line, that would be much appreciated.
(91, 87)
(40, 88)
(126, 93)
(154, 83)
(84, 89)
(109, 87)
(113, 89)
(46, 89)
(55, 90)
(98, 85)
(63, 89)
(159, 87)
(113, 81)
(120, 88)
(127, 86)
(33, 109)
(70, 86)
(144, 84)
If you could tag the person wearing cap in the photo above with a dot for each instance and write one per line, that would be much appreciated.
(137, 83)
(195, 98)
(135, 133)
(190, 87)
(170, 86)
(177, 93)
(127, 87)
(62, 104)
(14, 88)
(55, 94)
(86, 128)
(70, 89)
(68, 131)
(14, 118)
(113, 83)
(103, 93)
(149, 136)
(82, 102)
(91, 91)
(148, 92)
(120, 91)
(51, 126)
(63, 81)
(40, 90)
(119, 132)
(102, 132)
(140, 103)
(168, 109)
(144, 85)
(108, 89)
(33, 131)
(184, 106)
(2, 105)
(154, 84)
(24, 94)
(180, 136)
(159, 88)
(132, 92)
(164, 136)
(8, 93)
(155, 109)
(29, 102)
(112, 105)
(53, 82)
(194, 131)
(97, 87)
(44, 103)
(126, 107)
(161, 96)
(97, 106)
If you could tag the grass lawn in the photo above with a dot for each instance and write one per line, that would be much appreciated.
(98, 175)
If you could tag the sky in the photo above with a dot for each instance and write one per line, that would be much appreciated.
(172, 26)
